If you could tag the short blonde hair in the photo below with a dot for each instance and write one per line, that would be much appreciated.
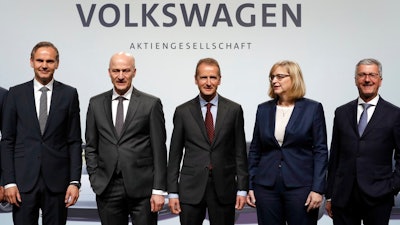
(298, 89)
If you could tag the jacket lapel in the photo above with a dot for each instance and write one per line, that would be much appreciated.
(221, 115)
(376, 116)
(198, 116)
(108, 113)
(29, 97)
(134, 105)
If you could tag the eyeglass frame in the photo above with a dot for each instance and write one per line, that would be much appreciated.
(371, 75)
(279, 77)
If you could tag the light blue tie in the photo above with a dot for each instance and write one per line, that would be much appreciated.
(363, 119)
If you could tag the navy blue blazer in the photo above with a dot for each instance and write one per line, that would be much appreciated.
(302, 158)
(3, 94)
(27, 154)
(367, 159)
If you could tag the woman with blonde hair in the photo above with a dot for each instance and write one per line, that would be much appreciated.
(288, 154)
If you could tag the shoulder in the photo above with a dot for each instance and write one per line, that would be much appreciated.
(267, 104)
(22, 86)
(228, 102)
(387, 105)
(191, 103)
(345, 108)
(64, 87)
(144, 96)
(3, 93)
(101, 96)
(309, 103)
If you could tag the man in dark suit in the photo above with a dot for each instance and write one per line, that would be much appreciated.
(3, 93)
(214, 170)
(42, 145)
(125, 150)
(366, 134)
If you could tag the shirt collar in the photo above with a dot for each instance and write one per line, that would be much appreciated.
(213, 101)
(37, 85)
(127, 94)
(374, 101)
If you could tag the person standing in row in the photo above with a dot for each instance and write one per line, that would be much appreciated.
(42, 145)
(209, 137)
(288, 154)
(362, 181)
(125, 151)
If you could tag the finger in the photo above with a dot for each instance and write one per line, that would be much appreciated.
(153, 206)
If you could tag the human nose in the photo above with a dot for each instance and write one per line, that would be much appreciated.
(120, 75)
(208, 81)
(44, 65)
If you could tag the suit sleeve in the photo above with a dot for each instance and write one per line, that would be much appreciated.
(9, 130)
(92, 140)
(241, 153)
(254, 152)
(320, 150)
(175, 152)
(157, 139)
(75, 139)
(333, 157)
(396, 173)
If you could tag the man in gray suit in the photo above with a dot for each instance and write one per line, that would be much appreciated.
(125, 152)
(214, 171)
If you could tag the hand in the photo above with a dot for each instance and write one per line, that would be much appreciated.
(328, 208)
(240, 201)
(157, 202)
(251, 199)
(2, 196)
(314, 201)
(71, 196)
(12, 195)
(174, 205)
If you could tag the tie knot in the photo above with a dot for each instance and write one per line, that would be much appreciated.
(209, 105)
(365, 105)
(43, 89)
(120, 98)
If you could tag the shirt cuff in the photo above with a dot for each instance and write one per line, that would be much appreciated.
(173, 195)
(10, 185)
(242, 193)
(159, 192)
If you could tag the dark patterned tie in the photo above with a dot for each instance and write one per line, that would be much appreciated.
(363, 118)
(119, 121)
(209, 123)
(43, 109)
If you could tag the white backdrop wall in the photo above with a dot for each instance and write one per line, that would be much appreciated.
(327, 39)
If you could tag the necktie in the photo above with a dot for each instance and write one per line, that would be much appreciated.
(43, 109)
(363, 118)
(119, 121)
(209, 123)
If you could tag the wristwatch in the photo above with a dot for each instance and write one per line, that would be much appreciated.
(78, 185)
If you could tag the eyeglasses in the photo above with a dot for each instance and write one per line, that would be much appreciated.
(278, 76)
(371, 75)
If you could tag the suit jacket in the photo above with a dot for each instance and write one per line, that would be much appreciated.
(367, 160)
(227, 153)
(302, 159)
(26, 153)
(140, 149)
(3, 94)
